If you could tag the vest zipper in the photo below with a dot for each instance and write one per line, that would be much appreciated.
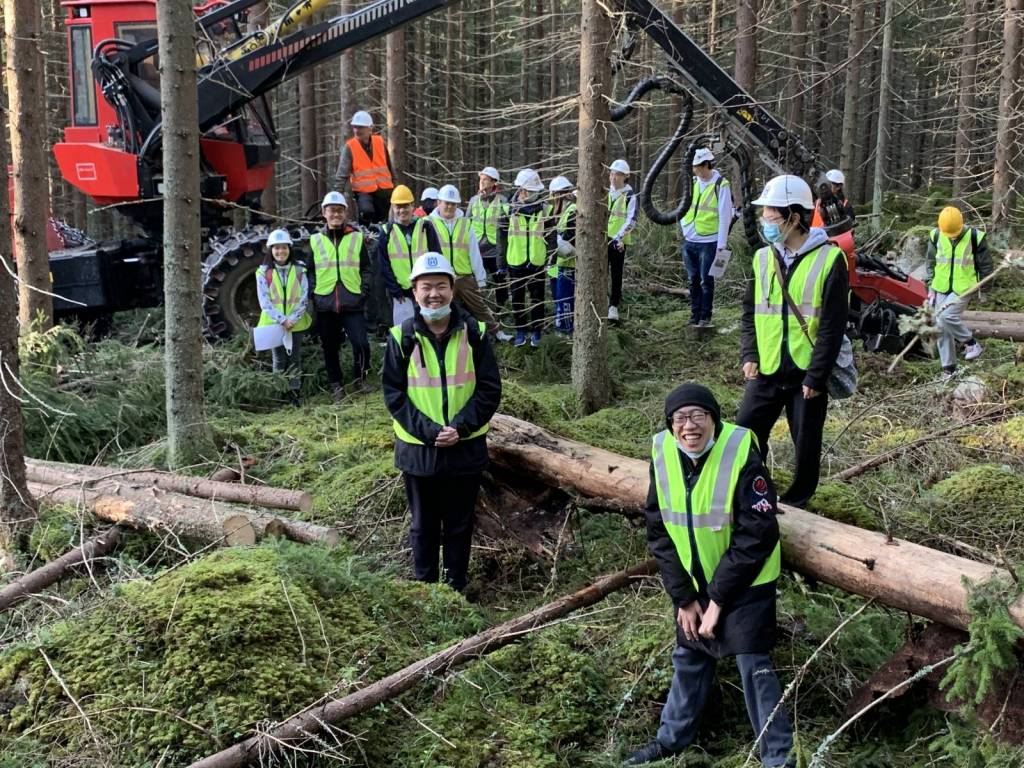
(696, 568)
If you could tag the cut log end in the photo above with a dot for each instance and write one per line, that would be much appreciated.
(238, 531)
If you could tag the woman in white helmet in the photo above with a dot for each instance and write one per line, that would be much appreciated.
(787, 359)
(283, 293)
(621, 222)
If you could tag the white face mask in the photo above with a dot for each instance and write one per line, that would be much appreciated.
(433, 314)
(695, 456)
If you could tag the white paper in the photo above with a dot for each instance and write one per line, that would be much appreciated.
(266, 337)
(720, 263)
(287, 341)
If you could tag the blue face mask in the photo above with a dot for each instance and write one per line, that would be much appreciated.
(695, 456)
(771, 232)
(433, 314)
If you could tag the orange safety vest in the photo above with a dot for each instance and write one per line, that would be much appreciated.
(369, 175)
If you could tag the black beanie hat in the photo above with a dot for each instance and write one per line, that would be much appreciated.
(692, 394)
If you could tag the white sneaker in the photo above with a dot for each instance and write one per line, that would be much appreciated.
(947, 375)
(503, 336)
(613, 313)
(972, 351)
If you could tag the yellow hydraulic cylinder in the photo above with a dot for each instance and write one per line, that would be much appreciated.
(285, 25)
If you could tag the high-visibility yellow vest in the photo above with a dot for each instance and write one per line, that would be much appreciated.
(618, 209)
(566, 262)
(400, 255)
(439, 398)
(526, 239)
(485, 218)
(708, 506)
(807, 288)
(334, 264)
(284, 297)
(955, 271)
(454, 245)
(703, 211)
(369, 173)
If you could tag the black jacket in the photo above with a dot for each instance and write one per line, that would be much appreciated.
(384, 271)
(341, 299)
(467, 456)
(834, 311)
(747, 624)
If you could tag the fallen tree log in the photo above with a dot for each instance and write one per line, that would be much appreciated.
(56, 473)
(667, 290)
(894, 572)
(982, 316)
(201, 520)
(36, 581)
(317, 719)
(1001, 329)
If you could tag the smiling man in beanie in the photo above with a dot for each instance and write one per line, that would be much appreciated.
(711, 527)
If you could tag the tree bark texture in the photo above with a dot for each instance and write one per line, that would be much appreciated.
(1007, 119)
(396, 95)
(316, 720)
(882, 134)
(746, 44)
(188, 437)
(966, 102)
(590, 375)
(34, 582)
(798, 61)
(24, 79)
(309, 143)
(897, 573)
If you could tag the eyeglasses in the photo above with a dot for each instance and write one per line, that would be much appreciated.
(697, 417)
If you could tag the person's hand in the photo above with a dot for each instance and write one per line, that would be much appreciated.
(288, 325)
(810, 394)
(750, 371)
(710, 620)
(689, 620)
(447, 437)
(619, 246)
(931, 298)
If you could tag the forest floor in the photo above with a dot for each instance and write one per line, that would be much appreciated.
(163, 654)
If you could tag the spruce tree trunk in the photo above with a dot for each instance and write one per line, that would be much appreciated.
(590, 374)
(24, 81)
(848, 149)
(882, 135)
(347, 83)
(798, 56)
(308, 142)
(967, 102)
(746, 44)
(396, 100)
(16, 506)
(188, 437)
(1006, 144)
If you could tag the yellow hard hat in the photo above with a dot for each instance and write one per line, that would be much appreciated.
(951, 221)
(402, 195)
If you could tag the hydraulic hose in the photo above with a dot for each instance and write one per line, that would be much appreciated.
(643, 87)
(646, 198)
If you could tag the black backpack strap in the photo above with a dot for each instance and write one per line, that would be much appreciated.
(974, 241)
(408, 338)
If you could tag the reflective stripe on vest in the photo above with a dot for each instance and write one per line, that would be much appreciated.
(485, 218)
(955, 271)
(284, 300)
(703, 211)
(567, 262)
(618, 210)
(807, 288)
(453, 245)
(400, 255)
(428, 388)
(708, 506)
(332, 263)
(369, 174)
(526, 240)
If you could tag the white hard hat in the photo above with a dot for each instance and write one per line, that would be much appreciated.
(449, 194)
(430, 193)
(362, 119)
(491, 172)
(559, 184)
(783, 191)
(703, 155)
(836, 176)
(620, 165)
(334, 198)
(431, 263)
(279, 237)
(529, 180)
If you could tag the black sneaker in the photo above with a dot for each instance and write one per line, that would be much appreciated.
(649, 754)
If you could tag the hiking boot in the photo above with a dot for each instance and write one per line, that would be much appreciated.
(613, 313)
(503, 336)
(649, 754)
(520, 339)
(947, 375)
(972, 351)
(535, 339)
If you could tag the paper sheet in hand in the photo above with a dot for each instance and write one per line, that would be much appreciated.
(267, 336)
(721, 261)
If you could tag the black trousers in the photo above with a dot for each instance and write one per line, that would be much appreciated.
(443, 512)
(333, 327)
(525, 280)
(763, 403)
(616, 262)
(374, 207)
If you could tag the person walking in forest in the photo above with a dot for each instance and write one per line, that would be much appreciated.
(957, 258)
(441, 386)
(705, 228)
(341, 271)
(563, 218)
(794, 319)
(447, 233)
(365, 165)
(621, 222)
(525, 243)
(712, 529)
(486, 210)
(395, 254)
(283, 294)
